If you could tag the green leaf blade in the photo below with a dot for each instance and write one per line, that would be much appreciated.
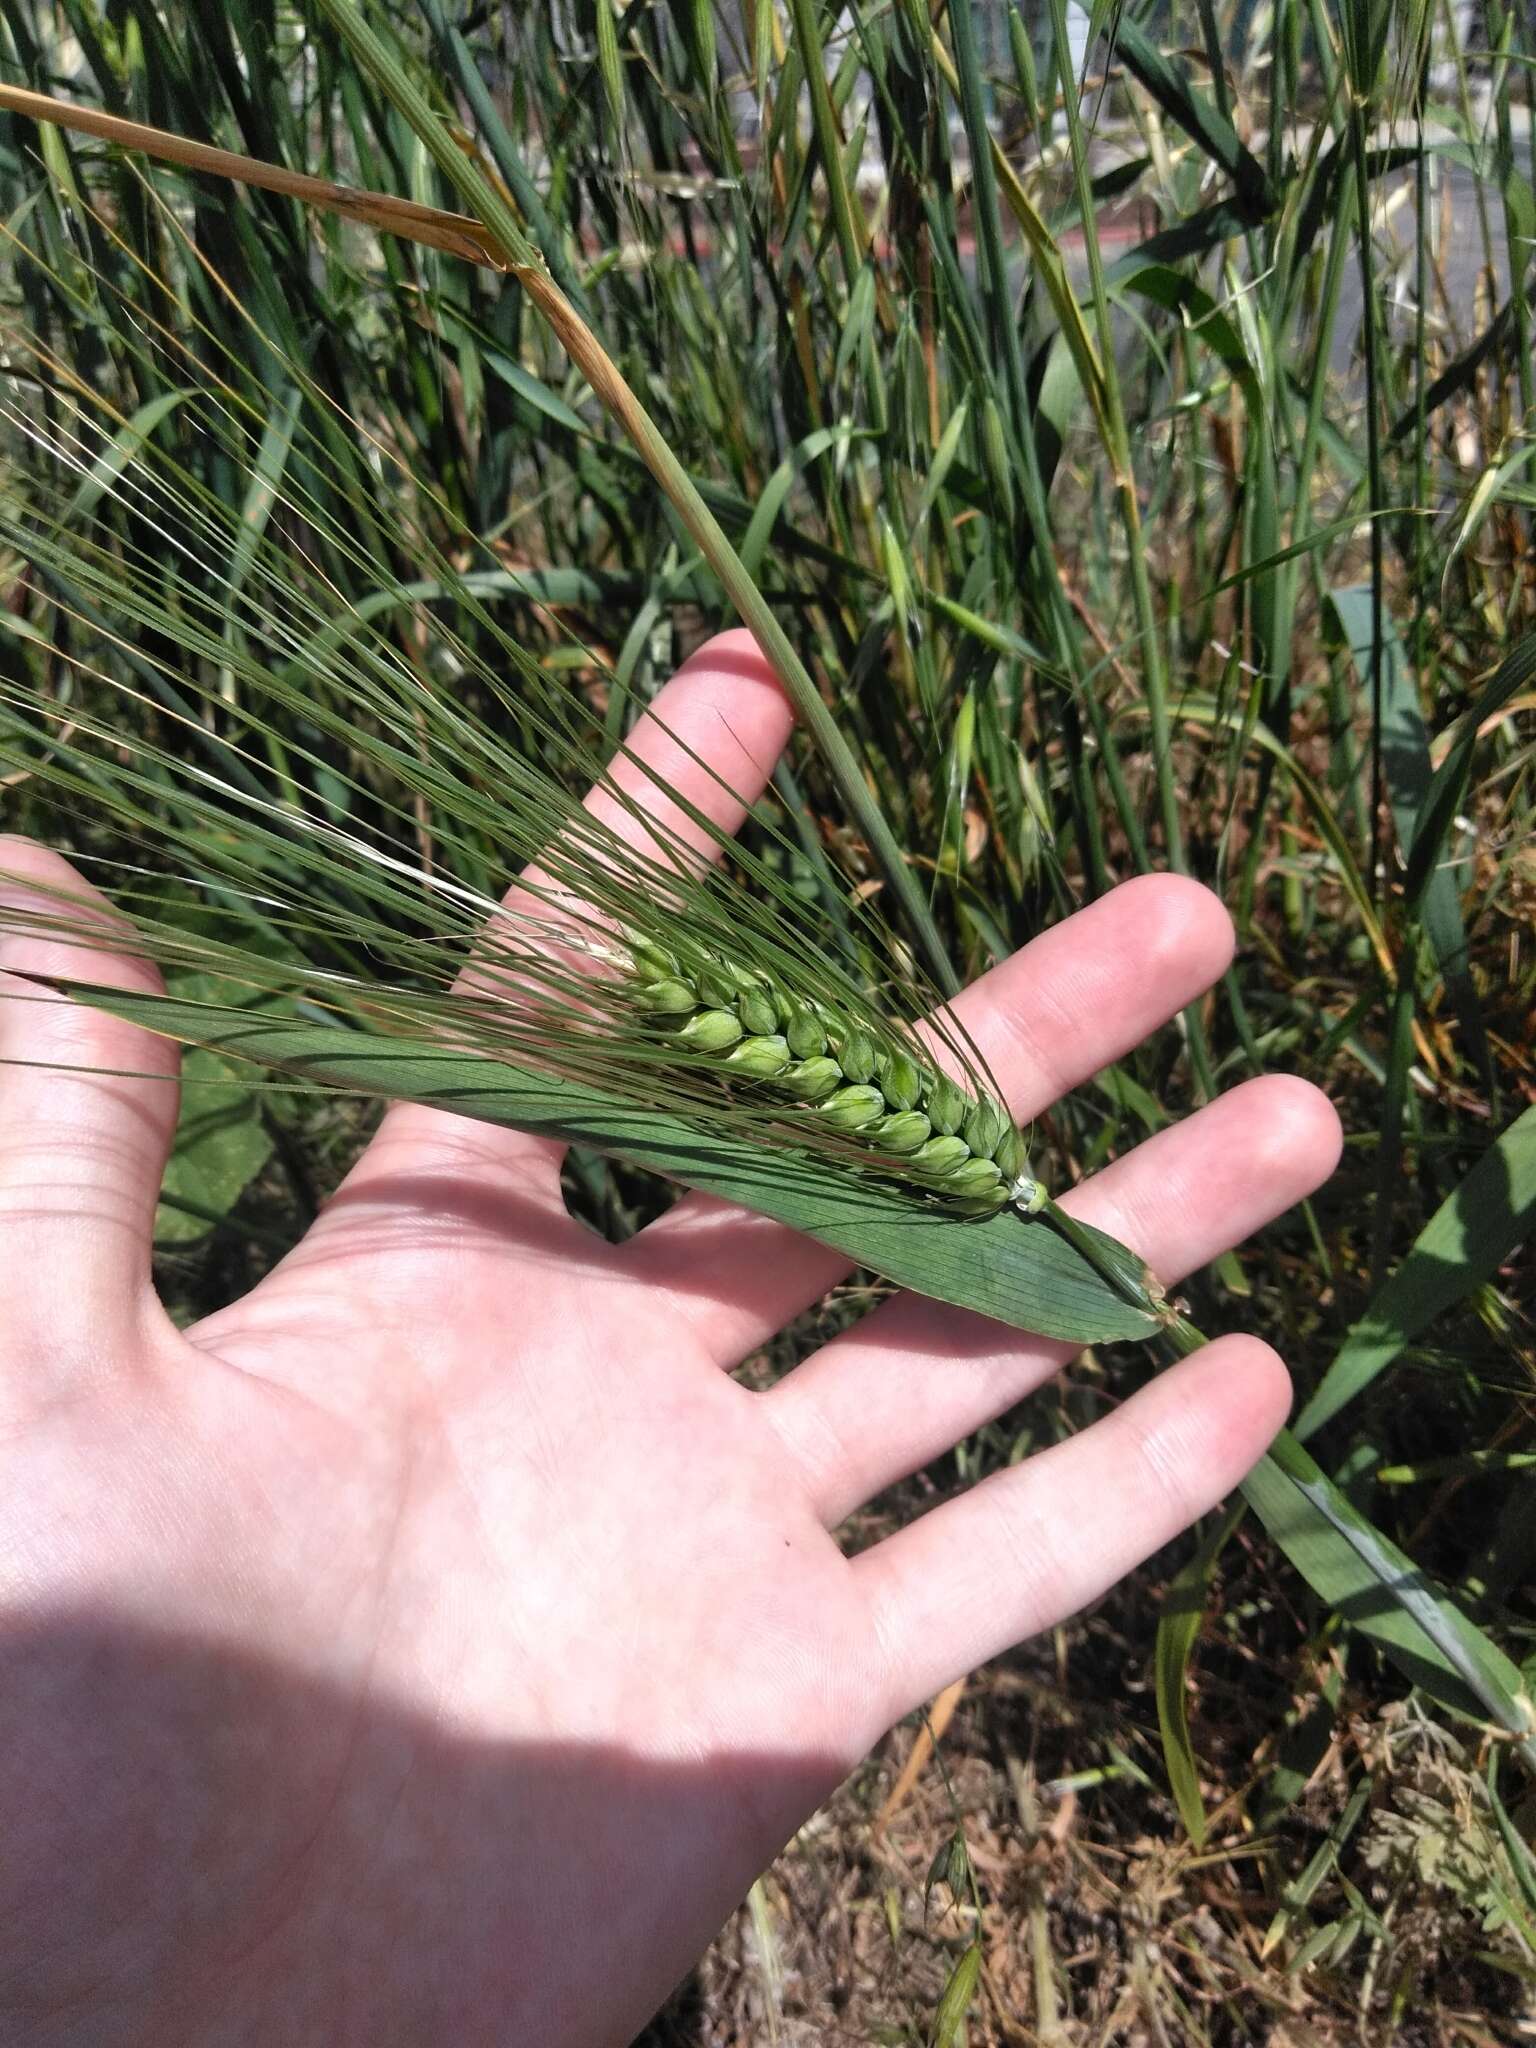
(1019, 1272)
(1371, 1584)
(1468, 1238)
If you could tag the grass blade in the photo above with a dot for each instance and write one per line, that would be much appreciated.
(1447, 789)
(1466, 1240)
(1178, 1630)
(1366, 1579)
(1406, 764)
(1201, 122)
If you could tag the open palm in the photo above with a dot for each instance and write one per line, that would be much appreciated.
(431, 1646)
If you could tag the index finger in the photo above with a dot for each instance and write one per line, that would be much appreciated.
(679, 787)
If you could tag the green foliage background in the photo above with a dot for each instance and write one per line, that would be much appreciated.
(1116, 538)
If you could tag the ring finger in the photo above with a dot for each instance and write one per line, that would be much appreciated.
(913, 1378)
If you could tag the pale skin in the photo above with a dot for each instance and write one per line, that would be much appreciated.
(431, 1646)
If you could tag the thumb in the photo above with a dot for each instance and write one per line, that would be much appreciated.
(87, 1108)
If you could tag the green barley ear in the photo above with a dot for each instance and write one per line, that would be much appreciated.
(864, 1086)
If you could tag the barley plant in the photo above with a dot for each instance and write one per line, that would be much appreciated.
(1115, 428)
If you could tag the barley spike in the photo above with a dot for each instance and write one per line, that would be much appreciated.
(956, 1146)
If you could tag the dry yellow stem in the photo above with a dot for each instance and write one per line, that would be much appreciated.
(455, 233)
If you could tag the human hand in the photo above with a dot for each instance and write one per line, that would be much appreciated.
(432, 1646)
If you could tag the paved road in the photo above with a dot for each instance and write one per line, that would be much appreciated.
(1458, 248)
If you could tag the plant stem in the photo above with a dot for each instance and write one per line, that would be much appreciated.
(1150, 640)
(1375, 486)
